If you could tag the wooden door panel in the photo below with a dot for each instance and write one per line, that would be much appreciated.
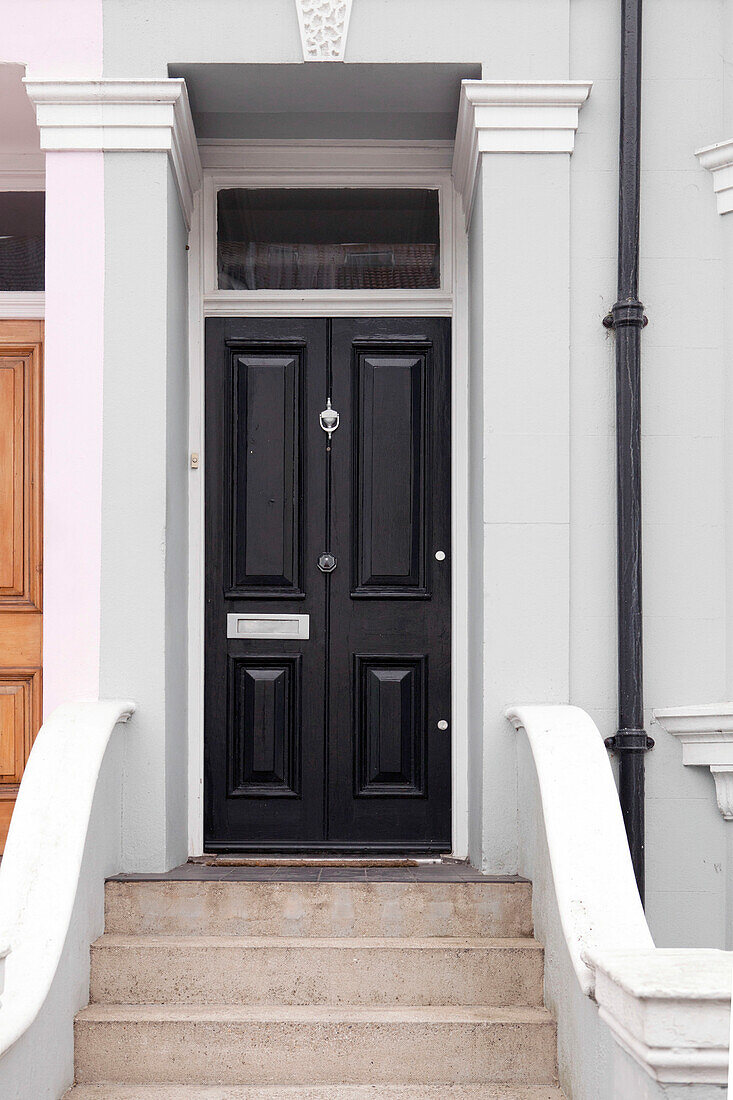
(20, 552)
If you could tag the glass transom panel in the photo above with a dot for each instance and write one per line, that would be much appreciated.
(347, 238)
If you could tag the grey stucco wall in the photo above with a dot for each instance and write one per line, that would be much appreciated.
(539, 640)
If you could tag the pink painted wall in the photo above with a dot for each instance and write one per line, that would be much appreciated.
(73, 425)
(63, 39)
(53, 37)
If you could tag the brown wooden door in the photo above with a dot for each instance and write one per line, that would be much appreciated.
(21, 544)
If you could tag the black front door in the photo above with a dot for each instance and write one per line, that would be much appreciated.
(328, 635)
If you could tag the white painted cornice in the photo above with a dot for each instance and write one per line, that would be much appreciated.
(718, 159)
(706, 733)
(121, 116)
(669, 1009)
(508, 116)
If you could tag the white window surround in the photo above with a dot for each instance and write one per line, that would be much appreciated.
(327, 164)
(718, 159)
(706, 734)
(22, 172)
(509, 116)
(121, 116)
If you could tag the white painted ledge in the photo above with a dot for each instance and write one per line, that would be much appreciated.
(718, 159)
(121, 116)
(706, 734)
(508, 116)
(594, 880)
(40, 868)
(669, 1009)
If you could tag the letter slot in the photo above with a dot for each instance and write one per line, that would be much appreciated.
(268, 626)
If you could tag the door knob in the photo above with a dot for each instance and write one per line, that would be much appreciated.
(327, 563)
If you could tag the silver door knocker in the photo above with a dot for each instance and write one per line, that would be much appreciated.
(329, 418)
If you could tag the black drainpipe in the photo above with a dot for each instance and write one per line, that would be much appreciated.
(627, 320)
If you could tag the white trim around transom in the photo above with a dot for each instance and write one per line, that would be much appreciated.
(330, 164)
(509, 116)
(114, 116)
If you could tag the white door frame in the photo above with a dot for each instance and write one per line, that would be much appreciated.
(329, 164)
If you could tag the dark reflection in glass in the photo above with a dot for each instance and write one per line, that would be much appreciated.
(328, 239)
(22, 240)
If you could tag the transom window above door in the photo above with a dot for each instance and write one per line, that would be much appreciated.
(328, 238)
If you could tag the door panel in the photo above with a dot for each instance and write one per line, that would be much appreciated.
(20, 553)
(390, 639)
(265, 482)
(389, 473)
(329, 741)
(266, 487)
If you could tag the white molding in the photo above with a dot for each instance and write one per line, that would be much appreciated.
(336, 164)
(324, 28)
(22, 172)
(508, 116)
(706, 734)
(718, 160)
(322, 158)
(326, 303)
(22, 305)
(328, 164)
(669, 1009)
(121, 116)
(594, 882)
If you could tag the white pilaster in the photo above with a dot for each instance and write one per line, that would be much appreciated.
(139, 137)
(507, 116)
(121, 116)
(512, 168)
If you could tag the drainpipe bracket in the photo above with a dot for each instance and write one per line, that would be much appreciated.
(628, 741)
(630, 311)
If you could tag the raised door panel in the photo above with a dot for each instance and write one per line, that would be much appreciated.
(20, 476)
(264, 727)
(266, 499)
(389, 695)
(389, 498)
(20, 552)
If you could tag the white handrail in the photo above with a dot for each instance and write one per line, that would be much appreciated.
(40, 868)
(594, 880)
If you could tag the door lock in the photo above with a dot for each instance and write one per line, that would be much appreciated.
(327, 563)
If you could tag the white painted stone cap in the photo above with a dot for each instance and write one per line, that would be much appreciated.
(669, 1008)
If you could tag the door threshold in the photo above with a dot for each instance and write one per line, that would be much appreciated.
(214, 860)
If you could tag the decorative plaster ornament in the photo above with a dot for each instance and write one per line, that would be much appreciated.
(324, 25)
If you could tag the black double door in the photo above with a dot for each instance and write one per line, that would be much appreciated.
(328, 635)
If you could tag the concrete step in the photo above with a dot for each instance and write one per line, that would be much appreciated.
(373, 909)
(315, 1092)
(292, 971)
(293, 1045)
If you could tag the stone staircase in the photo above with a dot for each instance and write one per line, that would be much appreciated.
(236, 990)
